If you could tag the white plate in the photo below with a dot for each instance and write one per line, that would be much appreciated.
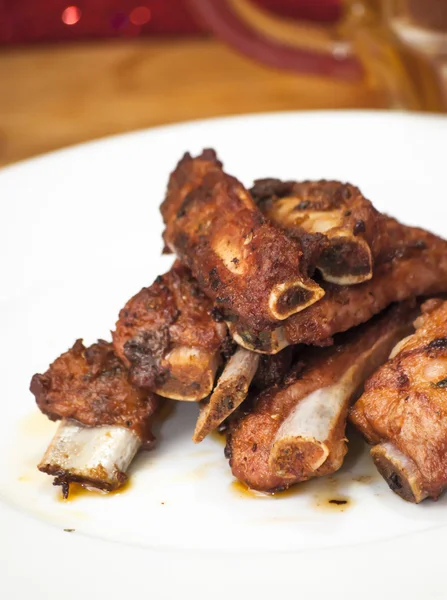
(79, 234)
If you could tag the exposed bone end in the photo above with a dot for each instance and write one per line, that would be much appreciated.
(231, 391)
(399, 346)
(313, 432)
(346, 260)
(189, 375)
(95, 457)
(286, 299)
(301, 445)
(399, 471)
(293, 211)
(267, 342)
(295, 457)
(245, 197)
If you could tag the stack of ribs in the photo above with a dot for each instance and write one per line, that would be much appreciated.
(290, 308)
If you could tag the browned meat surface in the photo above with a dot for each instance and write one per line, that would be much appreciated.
(297, 431)
(169, 339)
(416, 265)
(273, 368)
(338, 222)
(91, 386)
(253, 271)
(188, 175)
(403, 410)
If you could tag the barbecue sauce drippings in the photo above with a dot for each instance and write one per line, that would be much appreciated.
(77, 491)
(332, 503)
(328, 501)
(219, 437)
(241, 490)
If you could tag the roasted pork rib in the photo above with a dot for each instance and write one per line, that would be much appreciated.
(168, 338)
(254, 260)
(252, 271)
(414, 264)
(230, 391)
(297, 431)
(403, 411)
(336, 224)
(104, 419)
(242, 369)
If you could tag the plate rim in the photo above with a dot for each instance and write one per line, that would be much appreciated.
(166, 127)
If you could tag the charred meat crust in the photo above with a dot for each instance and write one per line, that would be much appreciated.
(355, 213)
(414, 264)
(339, 222)
(323, 195)
(144, 353)
(91, 386)
(188, 174)
(273, 369)
(341, 232)
(171, 313)
(405, 403)
(240, 261)
(251, 436)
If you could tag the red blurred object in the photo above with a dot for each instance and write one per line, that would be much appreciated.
(24, 21)
(224, 20)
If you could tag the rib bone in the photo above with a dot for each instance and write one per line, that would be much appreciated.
(267, 342)
(399, 471)
(253, 271)
(96, 457)
(104, 420)
(230, 392)
(306, 431)
(346, 260)
(288, 298)
(167, 337)
(296, 431)
(415, 266)
(403, 409)
(191, 373)
(311, 432)
(338, 220)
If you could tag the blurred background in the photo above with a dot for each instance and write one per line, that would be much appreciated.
(74, 70)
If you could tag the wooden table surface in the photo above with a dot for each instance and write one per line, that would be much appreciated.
(54, 96)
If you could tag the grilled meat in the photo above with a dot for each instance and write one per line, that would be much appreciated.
(104, 419)
(253, 272)
(91, 386)
(242, 369)
(415, 265)
(403, 411)
(188, 175)
(168, 338)
(336, 224)
(274, 368)
(297, 431)
(230, 391)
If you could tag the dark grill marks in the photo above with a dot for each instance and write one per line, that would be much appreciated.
(144, 353)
